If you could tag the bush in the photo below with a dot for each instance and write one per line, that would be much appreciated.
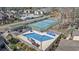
(13, 41)
(63, 36)
(13, 47)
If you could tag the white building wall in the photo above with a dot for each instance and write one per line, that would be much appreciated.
(76, 38)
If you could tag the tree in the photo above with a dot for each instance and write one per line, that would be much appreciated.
(71, 30)
(9, 36)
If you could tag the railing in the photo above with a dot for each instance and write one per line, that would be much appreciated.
(7, 47)
(30, 45)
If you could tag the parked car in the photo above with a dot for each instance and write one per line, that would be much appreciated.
(2, 43)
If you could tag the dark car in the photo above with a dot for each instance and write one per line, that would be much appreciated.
(2, 44)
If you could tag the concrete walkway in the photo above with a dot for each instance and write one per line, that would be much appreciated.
(68, 45)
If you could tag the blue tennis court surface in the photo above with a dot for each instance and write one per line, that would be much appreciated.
(37, 37)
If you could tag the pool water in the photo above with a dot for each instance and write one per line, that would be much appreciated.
(43, 25)
(52, 33)
(37, 37)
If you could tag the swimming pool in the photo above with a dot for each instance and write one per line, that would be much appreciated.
(43, 25)
(51, 33)
(37, 37)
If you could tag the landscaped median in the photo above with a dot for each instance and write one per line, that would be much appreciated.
(16, 45)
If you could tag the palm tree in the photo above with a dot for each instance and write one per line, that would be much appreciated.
(71, 30)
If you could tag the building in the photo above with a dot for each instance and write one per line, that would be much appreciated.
(76, 35)
(44, 41)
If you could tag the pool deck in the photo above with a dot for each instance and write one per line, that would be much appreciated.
(47, 43)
